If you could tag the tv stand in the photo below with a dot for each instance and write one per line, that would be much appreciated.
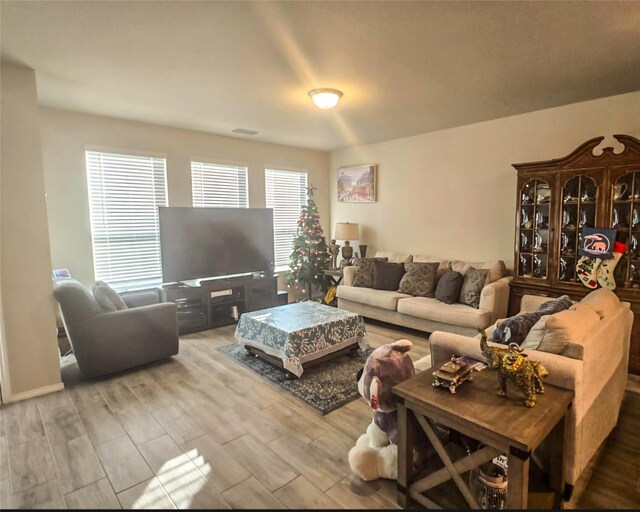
(217, 302)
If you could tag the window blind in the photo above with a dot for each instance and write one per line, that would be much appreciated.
(286, 193)
(219, 185)
(125, 192)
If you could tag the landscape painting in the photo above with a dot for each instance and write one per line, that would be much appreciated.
(357, 184)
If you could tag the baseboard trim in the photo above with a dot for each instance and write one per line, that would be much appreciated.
(35, 392)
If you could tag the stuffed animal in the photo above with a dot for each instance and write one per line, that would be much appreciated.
(510, 363)
(375, 454)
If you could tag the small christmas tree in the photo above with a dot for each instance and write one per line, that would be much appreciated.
(310, 256)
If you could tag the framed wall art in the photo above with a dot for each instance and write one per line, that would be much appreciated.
(357, 184)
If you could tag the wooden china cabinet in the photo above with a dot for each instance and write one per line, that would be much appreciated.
(556, 199)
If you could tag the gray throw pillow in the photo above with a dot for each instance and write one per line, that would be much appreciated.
(419, 279)
(449, 286)
(107, 298)
(364, 272)
(387, 276)
(472, 286)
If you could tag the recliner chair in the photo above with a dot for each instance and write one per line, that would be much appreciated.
(112, 341)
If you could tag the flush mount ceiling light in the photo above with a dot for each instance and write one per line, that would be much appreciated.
(325, 98)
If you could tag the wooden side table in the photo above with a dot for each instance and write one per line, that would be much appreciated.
(502, 425)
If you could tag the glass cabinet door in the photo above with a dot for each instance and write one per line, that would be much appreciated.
(533, 229)
(625, 219)
(579, 210)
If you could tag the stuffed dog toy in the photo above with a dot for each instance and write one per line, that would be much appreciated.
(375, 454)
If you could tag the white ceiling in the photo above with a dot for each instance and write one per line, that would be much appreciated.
(404, 67)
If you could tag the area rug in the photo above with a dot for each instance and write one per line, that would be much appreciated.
(325, 387)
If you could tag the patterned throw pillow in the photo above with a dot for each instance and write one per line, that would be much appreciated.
(472, 287)
(364, 272)
(419, 279)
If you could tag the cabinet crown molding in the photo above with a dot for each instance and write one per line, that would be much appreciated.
(583, 156)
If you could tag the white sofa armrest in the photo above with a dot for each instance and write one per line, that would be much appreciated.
(495, 298)
(348, 273)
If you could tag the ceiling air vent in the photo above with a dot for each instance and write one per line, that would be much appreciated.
(242, 131)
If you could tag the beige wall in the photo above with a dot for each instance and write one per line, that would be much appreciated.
(65, 134)
(29, 328)
(452, 193)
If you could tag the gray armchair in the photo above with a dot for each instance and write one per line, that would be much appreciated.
(108, 342)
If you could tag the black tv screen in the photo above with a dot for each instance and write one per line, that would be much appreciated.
(198, 243)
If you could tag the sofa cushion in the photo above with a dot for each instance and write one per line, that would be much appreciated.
(564, 332)
(107, 298)
(382, 299)
(387, 276)
(603, 301)
(456, 314)
(496, 268)
(474, 281)
(419, 279)
(395, 257)
(364, 272)
(448, 286)
(423, 258)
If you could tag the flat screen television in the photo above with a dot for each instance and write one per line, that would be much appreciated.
(198, 243)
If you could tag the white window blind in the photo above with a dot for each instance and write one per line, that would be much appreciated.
(125, 192)
(219, 185)
(286, 193)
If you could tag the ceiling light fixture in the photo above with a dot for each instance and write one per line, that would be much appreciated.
(325, 98)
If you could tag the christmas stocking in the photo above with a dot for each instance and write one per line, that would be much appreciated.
(605, 270)
(587, 271)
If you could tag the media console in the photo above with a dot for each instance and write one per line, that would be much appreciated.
(218, 302)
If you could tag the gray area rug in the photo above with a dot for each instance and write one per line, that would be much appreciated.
(324, 388)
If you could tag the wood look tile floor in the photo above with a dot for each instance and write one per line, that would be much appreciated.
(201, 431)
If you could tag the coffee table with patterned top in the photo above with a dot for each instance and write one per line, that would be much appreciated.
(300, 335)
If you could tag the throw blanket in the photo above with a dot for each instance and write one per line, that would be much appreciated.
(516, 328)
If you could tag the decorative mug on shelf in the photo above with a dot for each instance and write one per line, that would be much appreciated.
(524, 266)
(542, 198)
(564, 242)
(586, 198)
(583, 218)
(633, 246)
(538, 270)
(619, 190)
(563, 270)
(616, 221)
(537, 243)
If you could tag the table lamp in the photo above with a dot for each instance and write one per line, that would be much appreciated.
(347, 231)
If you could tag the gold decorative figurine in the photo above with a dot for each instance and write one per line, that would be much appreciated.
(512, 364)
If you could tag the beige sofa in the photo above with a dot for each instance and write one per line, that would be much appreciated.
(596, 372)
(426, 314)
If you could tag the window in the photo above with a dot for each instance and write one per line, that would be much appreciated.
(219, 185)
(125, 192)
(286, 193)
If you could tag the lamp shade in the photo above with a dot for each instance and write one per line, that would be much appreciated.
(347, 231)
